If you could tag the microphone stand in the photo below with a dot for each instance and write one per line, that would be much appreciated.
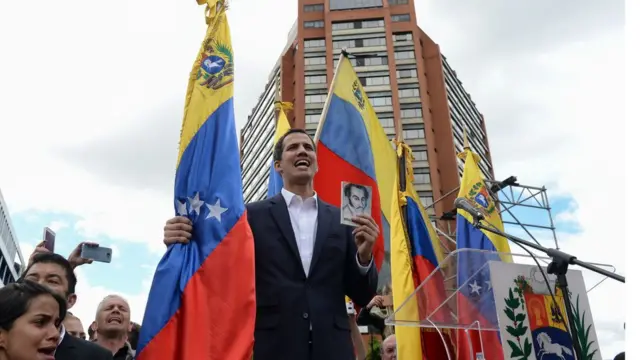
(559, 265)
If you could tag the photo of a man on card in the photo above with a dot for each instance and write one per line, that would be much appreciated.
(356, 200)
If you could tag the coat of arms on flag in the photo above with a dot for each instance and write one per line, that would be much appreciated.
(532, 325)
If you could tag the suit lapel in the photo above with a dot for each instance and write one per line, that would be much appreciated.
(66, 345)
(280, 215)
(323, 227)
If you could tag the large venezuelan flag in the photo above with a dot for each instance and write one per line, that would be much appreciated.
(202, 299)
(275, 179)
(352, 146)
(475, 298)
(426, 253)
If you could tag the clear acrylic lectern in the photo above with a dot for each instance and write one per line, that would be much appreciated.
(457, 297)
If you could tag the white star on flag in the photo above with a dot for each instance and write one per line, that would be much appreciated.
(215, 211)
(488, 282)
(196, 203)
(475, 288)
(182, 208)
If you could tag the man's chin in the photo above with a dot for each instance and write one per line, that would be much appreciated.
(302, 177)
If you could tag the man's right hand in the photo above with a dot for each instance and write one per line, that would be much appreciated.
(177, 230)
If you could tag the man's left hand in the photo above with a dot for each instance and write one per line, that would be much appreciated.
(365, 234)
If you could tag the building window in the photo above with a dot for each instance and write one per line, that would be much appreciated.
(403, 55)
(419, 155)
(386, 122)
(314, 99)
(314, 24)
(344, 44)
(408, 93)
(312, 119)
(398, 2)
(403, 37)
(413, 134)
(366, 24)
(374, 81)
(411, 113)
(315, 60)
(320, 79)
(380, 101)
(314, 7)
(314, 43)
(372, 42)
(400, 18)
(422, 178)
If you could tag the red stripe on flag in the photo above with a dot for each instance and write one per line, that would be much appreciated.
(332, 171)
(206, 303)
(489, 339)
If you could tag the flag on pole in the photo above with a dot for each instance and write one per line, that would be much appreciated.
(426, 255)
(282, 126)
(475, 297)
(353, 147)
(202, 300)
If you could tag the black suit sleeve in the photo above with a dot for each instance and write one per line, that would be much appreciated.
(360, 288)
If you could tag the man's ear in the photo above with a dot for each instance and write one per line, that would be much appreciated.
(71, 300)
(276, 165)
(4, 334)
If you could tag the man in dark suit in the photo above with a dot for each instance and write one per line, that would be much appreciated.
(306, 262)
(55, 272)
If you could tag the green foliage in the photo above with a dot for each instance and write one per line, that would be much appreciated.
(375, 351)
(517, 330)
(582, 332)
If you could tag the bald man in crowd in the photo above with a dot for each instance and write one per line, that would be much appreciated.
(113, 322)
(389, 348)
(73, 326)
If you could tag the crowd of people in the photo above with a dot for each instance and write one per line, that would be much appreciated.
(300, 285)
(36, 322)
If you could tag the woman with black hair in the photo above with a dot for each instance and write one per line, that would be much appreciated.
(29, 321)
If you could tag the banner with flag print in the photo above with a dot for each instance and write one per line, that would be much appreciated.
(475, 297)
(202, 300)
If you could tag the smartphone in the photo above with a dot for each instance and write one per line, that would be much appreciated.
(96, 253)
(49, 239)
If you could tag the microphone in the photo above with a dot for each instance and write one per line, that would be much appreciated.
(464, 204)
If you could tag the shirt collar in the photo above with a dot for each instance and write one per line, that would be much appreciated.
(289, 196)
(63, 332)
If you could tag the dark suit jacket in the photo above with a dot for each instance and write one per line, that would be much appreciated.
(73, 348)
(288, 301)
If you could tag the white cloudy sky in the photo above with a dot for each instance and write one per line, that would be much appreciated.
(92, 94)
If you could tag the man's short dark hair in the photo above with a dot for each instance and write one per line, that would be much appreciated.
(279, 148)
(619, 356)
(348, 187)
(52, 258)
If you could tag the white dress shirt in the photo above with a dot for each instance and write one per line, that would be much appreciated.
(304, 221)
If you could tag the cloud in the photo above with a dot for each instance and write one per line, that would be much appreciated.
(58, 225)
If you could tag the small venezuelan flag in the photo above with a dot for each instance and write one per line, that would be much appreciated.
(202, 301)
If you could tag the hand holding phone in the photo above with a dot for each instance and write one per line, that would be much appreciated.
(95, 253)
